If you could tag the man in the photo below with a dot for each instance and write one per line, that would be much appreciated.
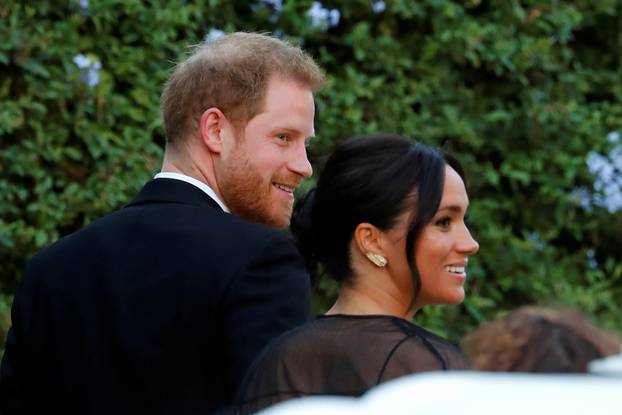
(161, 306)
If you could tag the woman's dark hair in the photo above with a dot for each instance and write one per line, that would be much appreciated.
(371, 179)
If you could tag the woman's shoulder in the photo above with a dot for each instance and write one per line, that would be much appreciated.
(298, 346)
(411, 329)
(319, 357)
(317, 346)
(426, 350)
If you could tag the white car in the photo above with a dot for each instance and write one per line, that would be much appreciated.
(479, 393)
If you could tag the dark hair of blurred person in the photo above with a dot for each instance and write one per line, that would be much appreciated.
(536, 339)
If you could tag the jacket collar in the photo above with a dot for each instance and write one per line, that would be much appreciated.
(175, 191)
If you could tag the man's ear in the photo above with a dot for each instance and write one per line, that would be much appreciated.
(368, 238)
(211, 127)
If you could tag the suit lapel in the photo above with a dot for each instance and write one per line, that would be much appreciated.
(173, 191)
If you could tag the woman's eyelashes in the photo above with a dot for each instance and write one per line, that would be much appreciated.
(443, 222)
(446, 221)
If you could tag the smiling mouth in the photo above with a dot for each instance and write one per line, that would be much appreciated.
(456, 270)
(285, 188)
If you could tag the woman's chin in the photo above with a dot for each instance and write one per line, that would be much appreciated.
(456, 298)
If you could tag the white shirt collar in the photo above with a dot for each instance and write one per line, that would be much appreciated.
(208, 190)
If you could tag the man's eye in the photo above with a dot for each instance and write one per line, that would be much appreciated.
(283, 137)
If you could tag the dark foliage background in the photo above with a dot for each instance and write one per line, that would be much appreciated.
(526, 93)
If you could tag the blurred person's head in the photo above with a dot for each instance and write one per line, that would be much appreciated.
(238, 114)
(387, 217)
(534, 339)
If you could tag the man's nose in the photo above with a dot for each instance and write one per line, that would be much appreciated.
(299, 162)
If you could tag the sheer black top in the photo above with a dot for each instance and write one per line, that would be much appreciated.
(343, 355)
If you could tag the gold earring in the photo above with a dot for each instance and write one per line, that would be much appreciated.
(377, 259)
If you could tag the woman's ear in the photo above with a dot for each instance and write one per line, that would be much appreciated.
(211, 126)
(368, 240)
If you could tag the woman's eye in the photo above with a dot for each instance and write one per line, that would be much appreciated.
(283, 137)
(444, 222)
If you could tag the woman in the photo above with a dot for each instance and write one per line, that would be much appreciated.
(387, 222)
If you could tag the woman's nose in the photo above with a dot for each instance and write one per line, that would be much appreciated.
(468, 245)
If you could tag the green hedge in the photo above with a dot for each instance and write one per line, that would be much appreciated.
(522, 92)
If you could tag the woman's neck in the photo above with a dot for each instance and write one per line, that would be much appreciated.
(364, 299)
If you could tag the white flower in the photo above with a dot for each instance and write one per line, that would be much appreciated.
(591, 259)
(276, 4)
(89, 67)
(317, 13)
(608, 172)
(83, 7)
(599, 166)
(81, 61)
(613, 197)
(613, 137)
(323, 18)
(213, 34)
(582, 197)
(333, 17)
(378, 6)
(91, 78)
(536, 240)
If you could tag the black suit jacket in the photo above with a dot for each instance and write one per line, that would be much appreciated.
(159, 307)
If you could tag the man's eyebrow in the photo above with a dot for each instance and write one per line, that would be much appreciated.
(287, 129)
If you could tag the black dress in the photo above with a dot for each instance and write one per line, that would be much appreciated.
(343, 355)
